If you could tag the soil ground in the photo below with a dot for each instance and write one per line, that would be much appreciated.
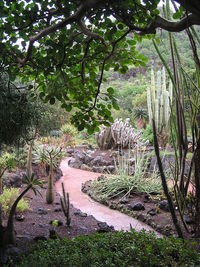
(37, 221)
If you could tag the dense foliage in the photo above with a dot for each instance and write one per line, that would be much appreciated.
(79, 40)
(18, 112)
(112, 249)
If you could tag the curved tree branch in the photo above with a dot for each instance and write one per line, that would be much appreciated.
(91, 34)
(76, 17)
(170, 25)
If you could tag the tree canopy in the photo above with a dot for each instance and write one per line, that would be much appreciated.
(65, 46)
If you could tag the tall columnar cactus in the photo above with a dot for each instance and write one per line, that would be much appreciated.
(159, 100)
(49, 192)
(65, 205)
(120, 134)
(29, 161)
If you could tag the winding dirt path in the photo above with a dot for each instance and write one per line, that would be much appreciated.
(73, 179)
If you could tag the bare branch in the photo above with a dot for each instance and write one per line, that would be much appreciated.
(103, 66)
(76, 17)
(84, 60)
(91, 34)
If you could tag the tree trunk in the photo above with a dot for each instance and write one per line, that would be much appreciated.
(164, 184)
(197, 184)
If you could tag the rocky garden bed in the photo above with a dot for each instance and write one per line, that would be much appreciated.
(105, 161)
(43, 221)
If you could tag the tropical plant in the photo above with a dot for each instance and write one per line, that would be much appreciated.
(68, 129)
(69, 132)
(41, 155)
(7, 161)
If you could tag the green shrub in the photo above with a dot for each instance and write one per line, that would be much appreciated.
(148, 134)
(8, 197)
(69, 130)
(140, 100)
(118, 249)
(7, 160)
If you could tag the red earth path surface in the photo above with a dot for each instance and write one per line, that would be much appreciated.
(73, 179)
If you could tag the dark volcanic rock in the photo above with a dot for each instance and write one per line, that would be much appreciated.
(104, 227)
(80, 213)
(188, 219)
(42, 211)
(136, 206)
(163, 205)
(152, 212)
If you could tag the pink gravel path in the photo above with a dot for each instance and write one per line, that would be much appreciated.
(73, 179)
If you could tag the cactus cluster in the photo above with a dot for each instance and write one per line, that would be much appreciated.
(65, 205)
(119, 134)
(159, 100)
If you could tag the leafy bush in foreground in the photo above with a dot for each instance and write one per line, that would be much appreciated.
(111, 249)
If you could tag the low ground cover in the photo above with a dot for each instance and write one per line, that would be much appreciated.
(111, 249)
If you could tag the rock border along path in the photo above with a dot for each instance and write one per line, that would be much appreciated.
(73, 179)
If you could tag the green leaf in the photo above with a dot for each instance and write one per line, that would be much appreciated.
(115, 106)
(110, 90)
(120, 26)
(52, 100)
